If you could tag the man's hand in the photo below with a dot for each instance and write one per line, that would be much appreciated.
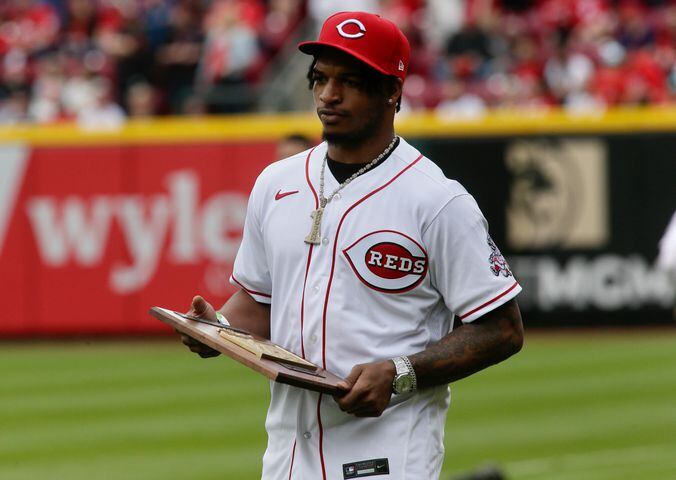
(200, 308)
(368, 389)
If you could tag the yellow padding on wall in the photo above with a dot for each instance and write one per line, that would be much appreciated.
(167, 130)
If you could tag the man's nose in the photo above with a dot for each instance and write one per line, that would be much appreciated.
(331, 93)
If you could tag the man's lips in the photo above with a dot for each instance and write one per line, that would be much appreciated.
(328, 115)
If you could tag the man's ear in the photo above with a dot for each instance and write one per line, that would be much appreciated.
(399, 84)
(395, 91)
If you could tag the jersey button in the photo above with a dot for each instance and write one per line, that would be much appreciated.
(316, 288)
(313, 338)
(307, 435)
(336, 196)
(325, 241)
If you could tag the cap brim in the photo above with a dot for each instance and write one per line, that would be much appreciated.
(313, 48)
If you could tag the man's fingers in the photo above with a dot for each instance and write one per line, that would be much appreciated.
(198, 347)
(351, 401)
(364, 401)
(204, 351)
(370, 390)
(208, 354)
(355, 393)
(351, 379)
(366, 412)
(188, 341)
(199, 306)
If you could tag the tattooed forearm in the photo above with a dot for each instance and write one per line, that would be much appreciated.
(471, 347)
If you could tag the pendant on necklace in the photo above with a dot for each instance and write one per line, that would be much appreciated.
(314, 237)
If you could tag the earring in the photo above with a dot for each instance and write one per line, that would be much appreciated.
(389, 100)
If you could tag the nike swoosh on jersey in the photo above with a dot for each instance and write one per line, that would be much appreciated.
(281, 195)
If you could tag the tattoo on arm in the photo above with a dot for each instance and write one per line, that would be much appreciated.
(471, 347)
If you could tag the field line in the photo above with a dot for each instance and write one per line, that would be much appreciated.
(590, 459)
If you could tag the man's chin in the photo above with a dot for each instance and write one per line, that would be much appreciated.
(334, 137)
(342, 138)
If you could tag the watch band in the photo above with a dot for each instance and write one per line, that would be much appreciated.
(404, 368)
(414, 386)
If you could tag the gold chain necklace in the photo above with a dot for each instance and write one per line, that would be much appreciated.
(314, 237)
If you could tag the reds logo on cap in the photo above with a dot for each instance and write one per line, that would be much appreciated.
(351, 21)
(388, 261)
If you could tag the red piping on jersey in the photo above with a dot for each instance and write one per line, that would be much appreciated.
(490, 301)
(293, 456)
(335, 244)
(302, 301)
(309, 256)
(251, 292)
(321, 435)
(302, 309)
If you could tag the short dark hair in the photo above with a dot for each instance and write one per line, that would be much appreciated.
(374, 81)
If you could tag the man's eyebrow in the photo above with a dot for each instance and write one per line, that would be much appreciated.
(352, 74)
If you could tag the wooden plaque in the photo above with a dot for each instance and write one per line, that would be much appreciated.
(255, 352)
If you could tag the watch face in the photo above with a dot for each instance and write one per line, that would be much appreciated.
(403, 384)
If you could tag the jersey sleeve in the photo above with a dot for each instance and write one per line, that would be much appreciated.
(466, 266)
(250, 271)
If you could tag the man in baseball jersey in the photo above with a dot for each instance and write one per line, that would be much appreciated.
(358, 255)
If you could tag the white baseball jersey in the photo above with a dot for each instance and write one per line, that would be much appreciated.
(403, 250)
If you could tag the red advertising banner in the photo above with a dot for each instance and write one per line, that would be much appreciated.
(91, 237)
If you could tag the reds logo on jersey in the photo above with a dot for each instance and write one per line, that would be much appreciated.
(388, 261)
(497, 261)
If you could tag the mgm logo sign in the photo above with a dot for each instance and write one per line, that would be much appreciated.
(559, 194)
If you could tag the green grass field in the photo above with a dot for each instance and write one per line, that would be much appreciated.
(575, 406)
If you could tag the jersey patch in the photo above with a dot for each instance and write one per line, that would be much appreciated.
(388, 261)
(497, 261)
(366, 468)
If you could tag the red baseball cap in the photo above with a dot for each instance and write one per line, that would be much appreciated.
(366, 36)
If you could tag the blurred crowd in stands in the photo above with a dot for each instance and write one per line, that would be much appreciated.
(99, 62)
